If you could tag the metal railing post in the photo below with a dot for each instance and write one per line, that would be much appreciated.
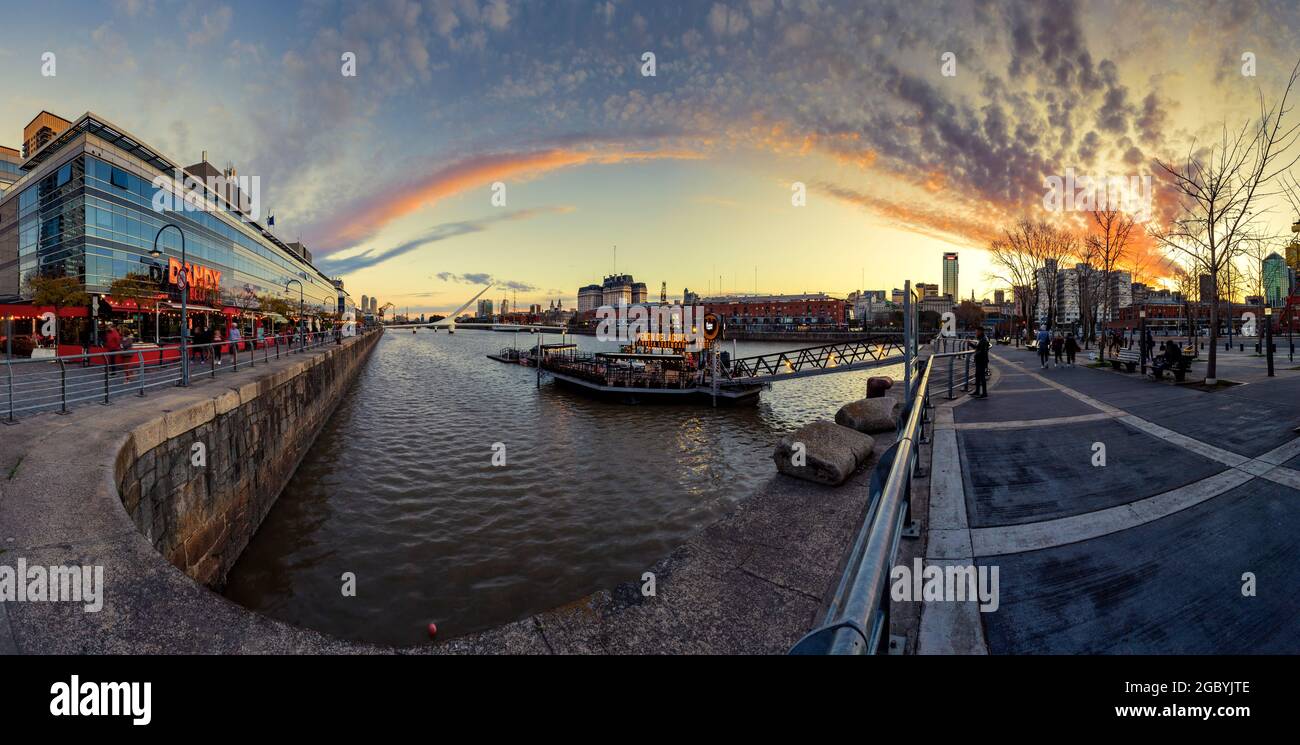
(139, 356)
(965, 382)
(63, 387)
(105, 401)
(9, 365)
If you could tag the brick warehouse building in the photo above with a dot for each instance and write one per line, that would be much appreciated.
(810, 312)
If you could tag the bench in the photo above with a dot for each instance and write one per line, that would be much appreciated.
(1129, 358)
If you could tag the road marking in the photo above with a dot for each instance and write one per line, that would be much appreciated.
(1014, 539)
(1023, 423)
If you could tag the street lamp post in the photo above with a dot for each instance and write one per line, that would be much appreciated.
(183, 279)
(1142, 339)
(1268, 337)
(299, 324)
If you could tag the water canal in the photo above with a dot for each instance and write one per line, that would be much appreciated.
(400, 489)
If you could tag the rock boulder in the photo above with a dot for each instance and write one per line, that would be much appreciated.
(870, 414)
(830, 453)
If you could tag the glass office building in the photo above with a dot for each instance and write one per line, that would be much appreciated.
(84, 208)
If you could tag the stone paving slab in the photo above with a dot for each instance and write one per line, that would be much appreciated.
(1172, 586)
(1018, 476)
(997, 408)
(1245, 426)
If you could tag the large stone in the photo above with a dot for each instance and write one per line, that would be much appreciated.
(830, 453)
(870, 414)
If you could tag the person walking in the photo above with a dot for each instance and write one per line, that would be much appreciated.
(1071, 349)
(112, 343)
(1058, 347)
(216, 346)
(981, 345)
(128, 341)
(1044, 344)
(234, 336)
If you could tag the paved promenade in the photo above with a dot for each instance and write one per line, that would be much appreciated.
(1145, 554)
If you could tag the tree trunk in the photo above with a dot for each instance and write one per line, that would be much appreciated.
(1210, 365)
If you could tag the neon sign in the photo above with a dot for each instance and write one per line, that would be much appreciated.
(200, 277)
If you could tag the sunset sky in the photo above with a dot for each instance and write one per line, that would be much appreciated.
(387, 176)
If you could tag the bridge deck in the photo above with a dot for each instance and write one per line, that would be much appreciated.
(819, 360)
(1145, 554)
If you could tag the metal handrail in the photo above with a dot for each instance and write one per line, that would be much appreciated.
(857, 618)
(32, 385)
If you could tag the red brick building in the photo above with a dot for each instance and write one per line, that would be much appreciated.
(813, 312)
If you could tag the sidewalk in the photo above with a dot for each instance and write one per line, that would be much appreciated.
(1144, 554)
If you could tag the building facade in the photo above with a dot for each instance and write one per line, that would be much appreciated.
(86, 207)
(11, 162)
(950, 274)
(810, 312)
(1276, 280)
(588, 298)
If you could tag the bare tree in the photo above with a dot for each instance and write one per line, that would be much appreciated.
(1108, 248)
(1029, 255)
(1218, 190)
(1187, 283)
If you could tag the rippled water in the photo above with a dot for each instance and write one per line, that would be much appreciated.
(400, 490)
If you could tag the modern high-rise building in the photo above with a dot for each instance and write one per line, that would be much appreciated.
(484, 309)
(950, 274)
(11, 162)
(85, 206)
(1277, 285)
(40, 130)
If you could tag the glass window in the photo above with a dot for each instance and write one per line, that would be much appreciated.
(119, 178)
(65, 173)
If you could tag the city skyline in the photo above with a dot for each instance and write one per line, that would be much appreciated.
(691, 171)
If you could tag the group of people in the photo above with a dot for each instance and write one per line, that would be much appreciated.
(1055, 347)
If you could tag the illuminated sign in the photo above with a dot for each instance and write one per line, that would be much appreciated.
(200, 277)
(711, 326)
(676, 342)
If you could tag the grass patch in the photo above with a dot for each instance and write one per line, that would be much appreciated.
(14, 470)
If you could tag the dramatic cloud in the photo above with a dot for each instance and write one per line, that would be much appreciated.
(373, 257)
(363, 219)
(483, 278)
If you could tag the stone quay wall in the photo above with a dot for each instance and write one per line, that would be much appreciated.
(198, 481)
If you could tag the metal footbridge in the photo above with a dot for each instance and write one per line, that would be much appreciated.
(846, 356)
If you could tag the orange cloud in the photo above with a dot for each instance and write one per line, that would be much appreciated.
(938, 223)
(361, 221)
